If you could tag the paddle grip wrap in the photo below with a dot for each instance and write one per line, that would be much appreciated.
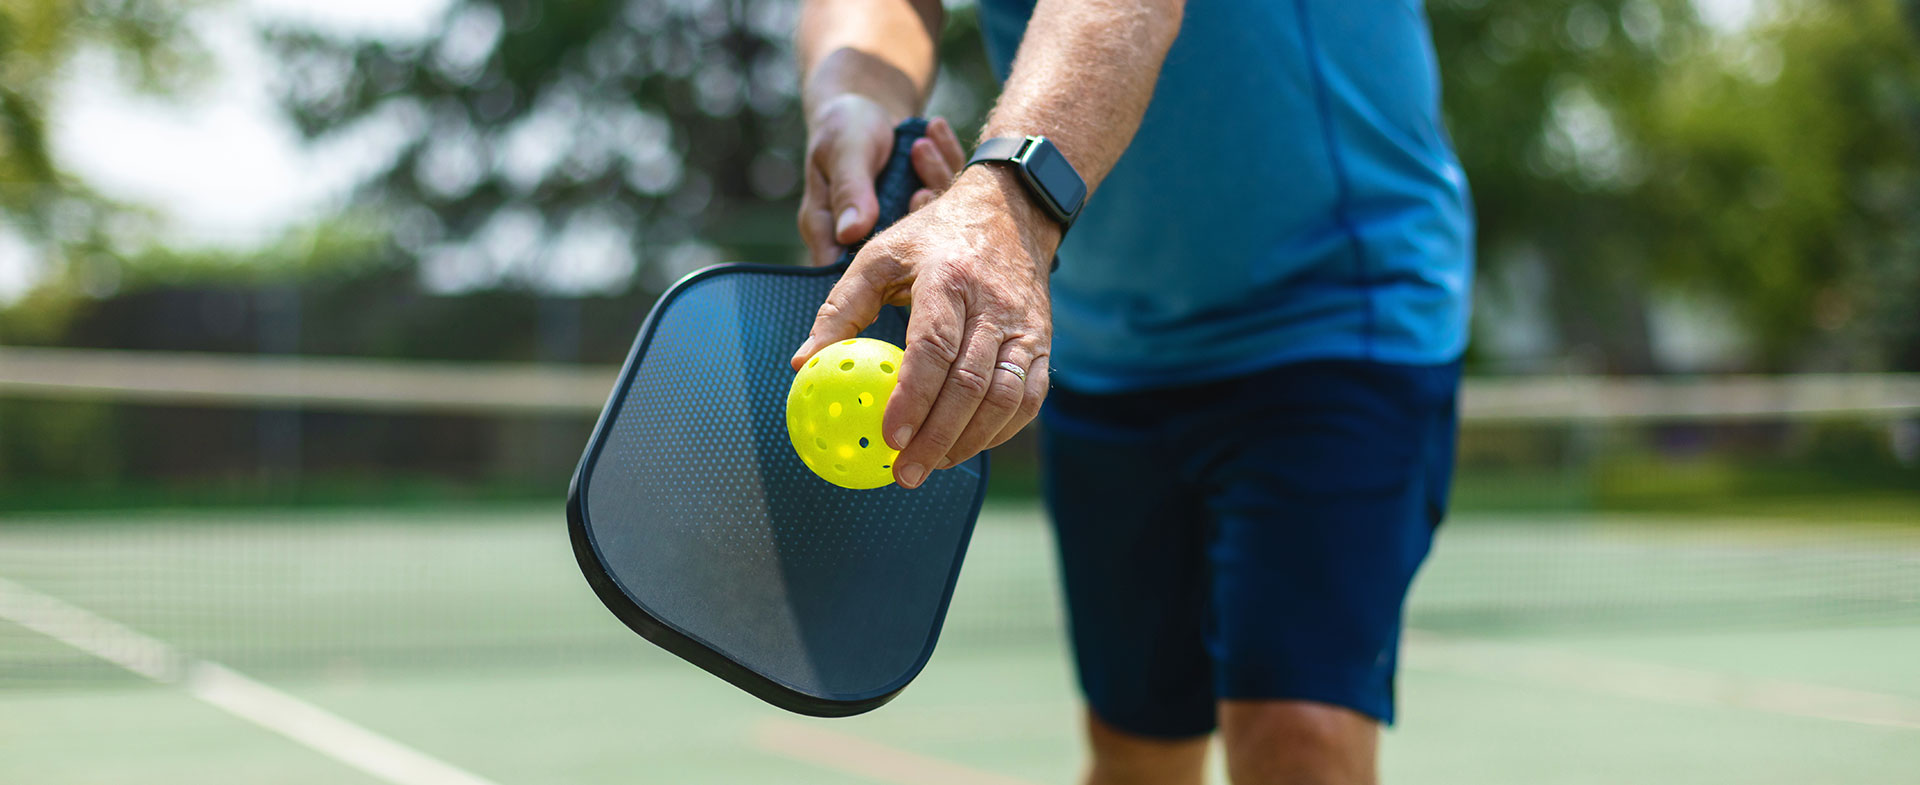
(896, 183)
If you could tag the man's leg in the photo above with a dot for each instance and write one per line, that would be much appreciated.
(1284, 742)
(1122, 758)
(1325, 481)
(1132, 562)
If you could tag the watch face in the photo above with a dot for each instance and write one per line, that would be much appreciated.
(1053, 172)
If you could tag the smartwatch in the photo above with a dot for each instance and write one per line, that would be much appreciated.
(1045, 171)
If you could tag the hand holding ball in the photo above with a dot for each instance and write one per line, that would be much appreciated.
(834, 410)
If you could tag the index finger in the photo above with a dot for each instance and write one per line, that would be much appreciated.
(852, 305)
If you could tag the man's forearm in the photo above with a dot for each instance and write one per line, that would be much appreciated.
(882, 49)
(1084, 75)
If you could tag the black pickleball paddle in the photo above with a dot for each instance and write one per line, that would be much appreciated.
(698, 526)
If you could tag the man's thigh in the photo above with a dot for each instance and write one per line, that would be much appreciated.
(1322, 496)
(1131, 541)
(1250, 539)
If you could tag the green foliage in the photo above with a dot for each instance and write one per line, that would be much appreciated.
(1626, 150)
(343, 248)
(1626, 147)
(53, 214)
(148, 43)
(667, 121)
(675, 122)
(1630, 148)
(1815, 468)
(59, 439)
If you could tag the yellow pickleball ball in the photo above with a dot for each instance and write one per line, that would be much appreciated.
(834, 410)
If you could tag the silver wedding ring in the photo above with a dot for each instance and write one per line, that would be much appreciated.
(1016, 370)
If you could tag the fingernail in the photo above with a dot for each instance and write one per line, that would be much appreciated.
(847, 217)
(910, 475)
(805, 347)
(902, 436)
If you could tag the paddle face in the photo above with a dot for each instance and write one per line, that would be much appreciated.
(697, 524)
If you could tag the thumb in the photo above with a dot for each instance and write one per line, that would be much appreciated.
(850, 181)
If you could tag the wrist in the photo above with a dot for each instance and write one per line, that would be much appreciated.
(820, 107)
(999, 188)
(835, 82)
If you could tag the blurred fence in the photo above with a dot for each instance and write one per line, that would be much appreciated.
(80, 427)
(1580, 503)
(356, 384)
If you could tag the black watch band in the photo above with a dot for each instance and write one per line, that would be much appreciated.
(1052, 181)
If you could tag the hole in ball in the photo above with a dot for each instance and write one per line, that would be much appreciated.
(886, 367)
(820, 443)
(846, 365)
(840, 467)
(849, 342)
(807, 392)
(865, 399)
(813, 362)
(834, 409)
(863, 441)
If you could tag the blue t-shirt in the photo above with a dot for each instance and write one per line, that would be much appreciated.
(1291, 195)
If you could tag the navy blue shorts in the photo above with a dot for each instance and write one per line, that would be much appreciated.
(1246, 539)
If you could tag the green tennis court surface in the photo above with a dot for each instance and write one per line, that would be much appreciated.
(461, 647)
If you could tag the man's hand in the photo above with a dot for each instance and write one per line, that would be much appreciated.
(850, 137)
(973, 263)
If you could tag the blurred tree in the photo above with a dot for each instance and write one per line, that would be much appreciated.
(1630, 153)
(41, 206)
(544, 139)
(1767, 166)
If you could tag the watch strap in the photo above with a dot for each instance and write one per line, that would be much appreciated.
(999, 148)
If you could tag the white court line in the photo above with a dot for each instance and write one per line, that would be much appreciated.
(1539, 665)
(850, 754)
(223, 688)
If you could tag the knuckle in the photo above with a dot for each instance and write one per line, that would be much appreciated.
(939, 437)
(942, 347)
(968, 382)
(878, 264)
(1029, 408)
(831, 311)
(1006, 393)
(952, 284)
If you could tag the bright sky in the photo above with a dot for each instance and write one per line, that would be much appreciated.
(220, 161)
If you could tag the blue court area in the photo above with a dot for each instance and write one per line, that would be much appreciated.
(461, 647)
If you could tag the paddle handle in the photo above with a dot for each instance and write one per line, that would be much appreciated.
(896, 183)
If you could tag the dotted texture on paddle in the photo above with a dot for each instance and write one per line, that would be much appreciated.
(710, 522)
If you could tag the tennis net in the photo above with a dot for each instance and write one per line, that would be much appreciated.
(334, 517)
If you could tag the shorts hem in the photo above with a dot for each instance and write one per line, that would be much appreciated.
(1163, 731)
(1378, 709)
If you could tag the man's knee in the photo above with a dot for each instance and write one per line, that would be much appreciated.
(1297, 743)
